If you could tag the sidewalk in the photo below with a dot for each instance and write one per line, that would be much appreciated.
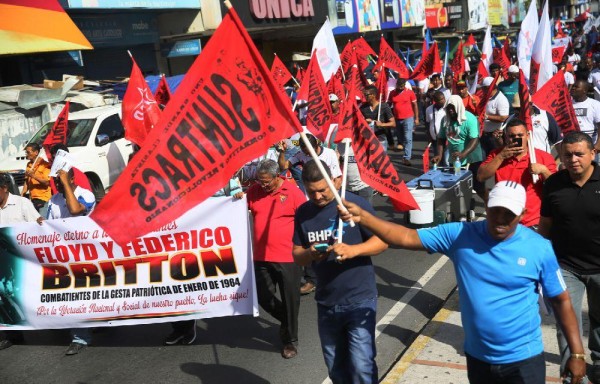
(436, 355)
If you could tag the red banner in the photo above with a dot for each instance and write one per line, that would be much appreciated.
(355, 84)
(391, 60)
(484, 97)
(374, 165)
(346, 57)
(280, 73)
(382, 84)
(58, 133)
(299, 73)
(314, 91)
(429, 64)
(554, 97)
(557, 54)
(525, 99)
(226, 112)
(500, 58)
(458, 62)
(363, 48)
(163, 93)
(335, 86)
(140, 110)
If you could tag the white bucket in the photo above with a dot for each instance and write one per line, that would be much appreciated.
(425, 198)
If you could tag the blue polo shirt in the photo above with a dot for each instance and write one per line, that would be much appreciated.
(498, 286)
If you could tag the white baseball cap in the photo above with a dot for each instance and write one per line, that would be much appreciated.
(508, 194)
(333, 97)
(513, 69)
(487, 81)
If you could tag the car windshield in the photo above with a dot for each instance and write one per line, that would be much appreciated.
(78, 133)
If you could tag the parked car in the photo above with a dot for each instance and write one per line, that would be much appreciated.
(96, 139)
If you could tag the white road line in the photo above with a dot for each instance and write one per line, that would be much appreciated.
(408, 296)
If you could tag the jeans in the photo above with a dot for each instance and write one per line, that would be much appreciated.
(366, 193)
(404, 133)
(347, 334)
(577, 285)
(528, 371)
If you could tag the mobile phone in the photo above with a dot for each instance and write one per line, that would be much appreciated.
(321, 247)
(517, 142)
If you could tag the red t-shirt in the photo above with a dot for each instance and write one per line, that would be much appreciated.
(518, 170)
(402, 103)
(79, 178)
(274, 221)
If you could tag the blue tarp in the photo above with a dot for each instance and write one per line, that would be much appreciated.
(152, 81)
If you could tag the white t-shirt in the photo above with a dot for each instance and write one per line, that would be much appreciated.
(434, 118)
(57, 208)
(497, 105)
(569, 78)
(594, 78)
(588, 115)
(574, 59)
(17, 209)
(328, 156)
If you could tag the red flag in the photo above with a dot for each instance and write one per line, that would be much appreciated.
(58, 133)
(335, 86)
(471, 40)
(140, 110)
(481, 69)
(391, 59)
(299, 73)
(381, 84)
(314, 91)
(227, 111)
(558, 53)
(426, 158)
(346, 57)
(355, 85)
(554, 97)
(524, 97)
(484, 97)
(428, 65)
(500, 58)
(424, 48)
(458, 62)
(346, 120)
(506, 48)
(374, 165)
(363, 48)
(163, 93)
(280, 73)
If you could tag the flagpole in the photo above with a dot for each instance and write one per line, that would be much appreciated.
(346, 143)
(532, 157)
(327, 179)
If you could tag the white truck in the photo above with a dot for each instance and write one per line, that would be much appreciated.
(96, 139)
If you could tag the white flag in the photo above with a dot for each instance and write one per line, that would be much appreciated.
(327, 51)
(529, 28)
(541, 56)
(487, 49)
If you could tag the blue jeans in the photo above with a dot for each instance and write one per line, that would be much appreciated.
(347, 334)
(404, 134)
(528, 371)
(577, 285)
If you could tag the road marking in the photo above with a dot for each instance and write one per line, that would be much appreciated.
(401, 304)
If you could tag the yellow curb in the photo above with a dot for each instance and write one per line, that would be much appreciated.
(421, 341)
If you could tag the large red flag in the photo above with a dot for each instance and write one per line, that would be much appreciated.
(163, 92)
(458, 62)
(280, 73)
(525, 99)
(355, 85)
(140, 110)
(374, 165)
(314, 91)
(335, 86)
(58, 133)
(500, 58)
(226, 112)
(554, 97)
(391, 59)
(428, 65)
(382, 84)
(363, 48)
(346, 56)
(484, 97)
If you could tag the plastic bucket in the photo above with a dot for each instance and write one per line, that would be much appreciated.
(425, 198)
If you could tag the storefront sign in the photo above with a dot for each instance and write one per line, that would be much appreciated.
(436, 17)
(181, 48)
(281, 9)
(478, 14)
(454, 10)
(114, 4)
(118, 29)
(391, 17)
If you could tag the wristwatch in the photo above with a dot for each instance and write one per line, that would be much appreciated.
(580, 356)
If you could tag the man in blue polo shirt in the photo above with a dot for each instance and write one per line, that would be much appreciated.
(498, 264)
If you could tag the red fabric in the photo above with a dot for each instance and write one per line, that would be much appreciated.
(555, 98)
(374, 165)
(79, 178)
(557, 54)
(335, 86)
(382, 84)
(484, 98)
(363, 50)
(163, 93)
(300, 74)
(402, 103)
(525, 99)
(345, 121)
(140, 110)
(314, 91)
(280, 73)
(471, 40)
(426, 158)
(501, 59)
(58, 133)
(458, 62)
(517, 170)
(346, 57)
(390, 59)
(226, 112)
(355, 84)
(274, 221)
(471, 102)
(428, 65)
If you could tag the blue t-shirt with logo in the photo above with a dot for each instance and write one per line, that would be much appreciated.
(498, 287)
(351, 281)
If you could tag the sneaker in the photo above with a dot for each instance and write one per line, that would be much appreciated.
(307, 288)
(190, 336)
(174, 338)
(289, 351)
(399, 147)
(75, 348)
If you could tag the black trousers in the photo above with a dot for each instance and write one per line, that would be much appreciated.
(284, 277)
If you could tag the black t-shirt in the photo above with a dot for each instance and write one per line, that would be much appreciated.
(575, 213)
(385, 116)
(351, 281)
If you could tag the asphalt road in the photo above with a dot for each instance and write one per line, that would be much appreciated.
(412, 287)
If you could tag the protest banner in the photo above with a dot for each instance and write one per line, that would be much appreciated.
(227, 111)
(58, 132)
(428, 65)
(280, 73)
(391, 59)
(68, 273)
(554, 97)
